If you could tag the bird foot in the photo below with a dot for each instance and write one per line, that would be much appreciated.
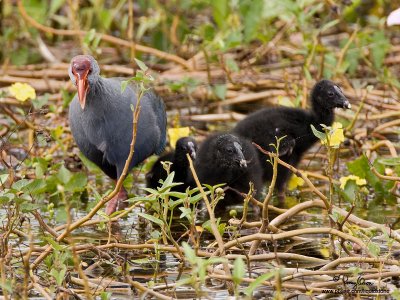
(117, 202)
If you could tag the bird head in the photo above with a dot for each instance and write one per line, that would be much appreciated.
(327, 94)
(84, 72)
(187, 145)
(230, 152)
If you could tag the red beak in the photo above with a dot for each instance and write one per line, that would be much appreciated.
(82, 85)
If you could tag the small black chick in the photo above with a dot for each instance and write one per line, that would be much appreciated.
(180, 164)
(226, 158)
(263, 126)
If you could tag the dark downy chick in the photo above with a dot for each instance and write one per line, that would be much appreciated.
(180, 164)
(101, 118)
(263, 126)
(226, 158)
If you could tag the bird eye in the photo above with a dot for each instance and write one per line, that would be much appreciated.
(330, 94)
(229, 150)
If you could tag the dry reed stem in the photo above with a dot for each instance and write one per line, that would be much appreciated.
(104, 37)
(213, 222)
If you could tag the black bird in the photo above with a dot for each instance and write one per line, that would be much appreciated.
(226, 158)
(263, 126)
(101, 118)
(180, 164)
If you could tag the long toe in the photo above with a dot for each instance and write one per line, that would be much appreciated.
(117, 202)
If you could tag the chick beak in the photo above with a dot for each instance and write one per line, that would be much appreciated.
(239, 152)
(192, 151)
(243, 163)
(83, 86)
(346, 104)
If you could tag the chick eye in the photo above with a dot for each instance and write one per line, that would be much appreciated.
(229, 150)
(330, 94)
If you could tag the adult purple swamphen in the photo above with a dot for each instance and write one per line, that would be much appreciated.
(101, 119)
(263, 126)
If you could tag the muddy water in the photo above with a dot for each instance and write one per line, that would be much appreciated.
(164, 267)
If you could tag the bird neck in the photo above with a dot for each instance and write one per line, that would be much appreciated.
(322, 115)
(181, 159)
(96, 92)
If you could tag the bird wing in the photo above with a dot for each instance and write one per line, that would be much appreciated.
(151, 127)
(91, 151)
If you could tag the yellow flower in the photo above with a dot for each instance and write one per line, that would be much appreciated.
(175, 134)
(358, 180)
(336, 135)
(22, 91)
(294, 182)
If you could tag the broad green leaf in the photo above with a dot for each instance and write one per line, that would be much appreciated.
(64, 175)
(29, 207)
(76, 183)
(35, 186)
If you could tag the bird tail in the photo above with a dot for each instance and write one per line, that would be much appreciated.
(160, 112)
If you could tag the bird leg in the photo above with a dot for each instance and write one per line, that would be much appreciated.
(117, 202)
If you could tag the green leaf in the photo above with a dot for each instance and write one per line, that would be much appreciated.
(89, 36)
(141, 65)
(27, 207)
(256, 283)
(186, 212)
(105, 295)
(55, 5)
(392, 161)
(317, 133)
(76, 183)
(36, 186)
(124, 84)
(328, 25)
(380, 46)
(151, 219)
(56, 246)
(220, 91)
(238, 270)
(64, 175)
(232, 65)
(189, 253)
(40, 101)
(18, 186)
(374, 249)
(252, 14)
(220, 12)
(40, 167)
(3, 178)
(59, 275)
